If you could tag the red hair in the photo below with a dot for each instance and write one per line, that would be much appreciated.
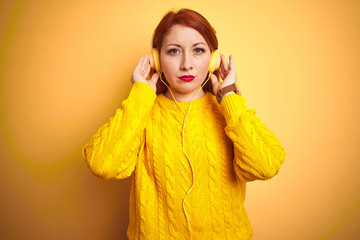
(189, 18)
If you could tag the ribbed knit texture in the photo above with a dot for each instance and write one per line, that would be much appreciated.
(227, 145)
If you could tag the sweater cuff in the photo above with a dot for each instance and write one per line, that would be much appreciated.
(142, 93)
(231, 105)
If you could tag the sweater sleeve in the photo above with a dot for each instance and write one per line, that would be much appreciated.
(112, 152)
(258, 153)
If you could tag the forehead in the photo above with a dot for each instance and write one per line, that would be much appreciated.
(182, 35)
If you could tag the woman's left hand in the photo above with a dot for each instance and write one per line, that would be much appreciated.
(227, 73)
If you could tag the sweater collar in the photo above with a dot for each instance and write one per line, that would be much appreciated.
(199, 103)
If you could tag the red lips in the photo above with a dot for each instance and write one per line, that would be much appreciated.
(187, 78)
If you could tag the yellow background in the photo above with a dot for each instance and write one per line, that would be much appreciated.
(65, 66)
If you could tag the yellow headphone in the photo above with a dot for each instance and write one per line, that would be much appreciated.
(155, 60)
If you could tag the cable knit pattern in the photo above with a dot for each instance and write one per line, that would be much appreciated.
(170, 187)
(213, 185)
(157, 151)
(227, 146)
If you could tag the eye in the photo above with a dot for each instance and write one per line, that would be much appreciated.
(199, 50)
(173, 51)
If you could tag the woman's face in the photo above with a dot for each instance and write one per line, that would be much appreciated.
(185, 59)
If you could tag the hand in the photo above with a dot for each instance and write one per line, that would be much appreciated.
(227, 73)
(142, 71)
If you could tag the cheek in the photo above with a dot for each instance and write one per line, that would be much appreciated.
(204, 67)
(168, 71)
(167, 66)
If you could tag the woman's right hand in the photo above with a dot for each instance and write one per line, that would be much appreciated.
(142, 71)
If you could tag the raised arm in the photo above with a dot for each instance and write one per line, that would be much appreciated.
(112, 152)
(258, 153)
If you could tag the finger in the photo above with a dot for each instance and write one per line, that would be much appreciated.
(224, 62)
(215, 83)
(143, 63)
(222, 74)
(138, 66)
(232, 63)
(214, 80)
(221, 68)
(155, 77)
(147, 71)
(147, 59)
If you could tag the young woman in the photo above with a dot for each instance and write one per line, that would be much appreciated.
(192, 148)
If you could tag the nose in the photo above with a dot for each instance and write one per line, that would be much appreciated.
(186, 63)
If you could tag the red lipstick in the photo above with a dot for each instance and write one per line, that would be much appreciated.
(187, 78)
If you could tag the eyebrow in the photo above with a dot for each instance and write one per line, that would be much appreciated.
(178, 45)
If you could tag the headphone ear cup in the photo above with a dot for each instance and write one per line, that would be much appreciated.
(155, 60)
(215, 61)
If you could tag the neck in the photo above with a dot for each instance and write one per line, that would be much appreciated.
(184, 97)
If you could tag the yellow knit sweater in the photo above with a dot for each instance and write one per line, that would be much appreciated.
(226, 144)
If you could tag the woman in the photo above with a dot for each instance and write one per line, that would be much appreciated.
(191, 149)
